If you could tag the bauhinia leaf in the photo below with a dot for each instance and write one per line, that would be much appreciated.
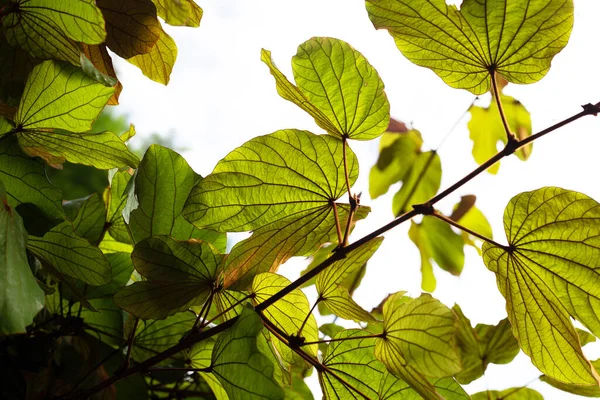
(158, 63)
(517, 393)
(242, 369)
(90, 217)
(100, 59)
(587, 391)
(20, 296)
(179, 275)
(155, 336)
(337, 86)
(290, 314)
(486, 129)
(179, 12)
(131, 26)
(106, 317)
(200, 357)
(162, 185)
(548, 274)
(514, 38)
(483, 345)
(71, 255)
(420, 183)
(49, 29)
(282, 186)
(334, 294)
(418, 333)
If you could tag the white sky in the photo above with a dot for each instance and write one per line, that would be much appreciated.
(222, 95)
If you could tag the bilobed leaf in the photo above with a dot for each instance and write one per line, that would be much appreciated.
(436, 241)
(337, 86)
(334, 295)
(26, 180)
(486, 129)
(131, 26)
(121, 267)
(393, 388)
(158, 63)
(517, 393)
(90, 218)
(155, 336)
(20, 296)
(162, 185)
(517, 39)
(418, 333)
(548, 274)
(587, 391)
(108, 318)
(397, 155)
(100, 59)
(179, 12)
(483, 345)
(50, 29)
(242, 369)
(71, 255)
(200, 356)
(289, 314)
(179, 275)
(420, 184)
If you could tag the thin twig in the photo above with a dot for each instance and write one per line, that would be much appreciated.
(496, 95)
(308, 315)
(337, 223)
(351, 198)
(130, 345)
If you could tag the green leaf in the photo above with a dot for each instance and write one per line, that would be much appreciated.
(290, 314)
(162, 185)
(393, 388)
(20, 298)
(131, 27)
(518, 393)
(548, 274)
(90, 219)
(26, 181)
(115, 196)
(486, 129)
(200, 356)
(436, 240)
(514, 38)
(179, 12)
(397, 156)
(242, 369)
(337, 86)
(585, 337)
(473, 219)
(180, 274)
(49, 29)
(71, 255)
(483, 345)
(587, 391)
(122, 268)
(96, 62)
(107, 318)
(158, 63)
(155, 336)
(418, 333)
(334, 295)
(420, 184)
(15, 66)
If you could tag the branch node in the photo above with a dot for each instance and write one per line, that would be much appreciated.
(424, 209)
(295, 342)
(592, 109)
(511, 146)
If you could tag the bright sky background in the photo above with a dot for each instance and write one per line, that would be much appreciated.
(222, 95)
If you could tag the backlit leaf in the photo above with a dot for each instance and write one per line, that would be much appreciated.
(337, 86)
(517, 393)
(585, 337)
(393, 388)
(162, 185)
(200, 357)
(242, 369)
(155, 336)
(20, 296)
(131, 26)
(483, 345)
(71, 255)
(418, 333)
(158, 63)
(587, 391)
(49, 29)
(548, 274)
(179, 275)
(108, 318)
(90, 218)
(179, 12)
(517, 39)
(101, 61)
(121, 267)
(486, 129)
(420, 184)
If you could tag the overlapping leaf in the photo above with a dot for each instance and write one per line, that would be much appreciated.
(330, 287)
(548, 274)
(162, 184)
(517, 39)
(200, 357)
(282, 186)
(155, 336)
(102, 62)
(90, 217)
(107, 318)
(15, 66)
(292, 314)
(71, 255)
(517, 393)
(242, 369)
(158, 63)
(180, 274)
(20, 296)
(179, 12)
(60, 102)
(587, 391)
(49, 29)
(420, 183)
(337, 86)
(483, 345)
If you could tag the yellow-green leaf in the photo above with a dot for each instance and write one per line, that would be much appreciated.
(179, 12)
(158, 63)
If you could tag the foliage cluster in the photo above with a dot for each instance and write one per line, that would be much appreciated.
(120, 286)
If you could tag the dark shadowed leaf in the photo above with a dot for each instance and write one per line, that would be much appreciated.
(158, 63)
(90, 218)
(107, 318)
(548, 274)
(155, 336)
